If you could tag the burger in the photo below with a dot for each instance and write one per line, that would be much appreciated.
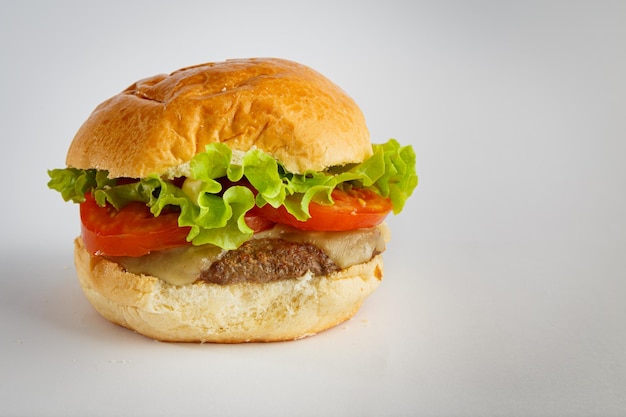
(236, 201)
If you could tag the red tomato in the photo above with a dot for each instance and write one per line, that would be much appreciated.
(134, 231)
(352, 210)
(257, 223)
(131, 231)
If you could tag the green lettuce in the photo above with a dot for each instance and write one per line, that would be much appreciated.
(216, 213)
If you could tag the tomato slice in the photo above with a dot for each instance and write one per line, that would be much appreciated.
(134, 231)
(131, 231)
(257, 222)
(352, 210)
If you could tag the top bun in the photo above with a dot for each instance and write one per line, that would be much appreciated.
(286, 109)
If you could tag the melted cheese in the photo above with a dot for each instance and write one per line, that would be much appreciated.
(178, 266)
(182, 266)
(344, 248)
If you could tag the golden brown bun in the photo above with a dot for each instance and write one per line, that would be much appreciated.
(201, 312)
(286, 109)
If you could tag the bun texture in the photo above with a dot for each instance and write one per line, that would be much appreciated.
(286, 109)
(245, 312)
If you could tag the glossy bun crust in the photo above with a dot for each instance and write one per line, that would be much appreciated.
(286, 109)
(203, 312)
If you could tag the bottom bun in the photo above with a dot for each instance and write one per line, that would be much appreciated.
(204, 312)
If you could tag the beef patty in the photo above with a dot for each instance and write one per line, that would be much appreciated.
(266, 260)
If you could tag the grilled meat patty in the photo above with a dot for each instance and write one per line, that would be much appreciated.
(266, 260)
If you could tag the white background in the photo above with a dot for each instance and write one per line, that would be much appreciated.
(505, 282)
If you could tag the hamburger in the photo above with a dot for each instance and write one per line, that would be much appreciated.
(236, 201)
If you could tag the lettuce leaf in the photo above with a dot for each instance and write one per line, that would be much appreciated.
(216, 215)
(73, 183)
